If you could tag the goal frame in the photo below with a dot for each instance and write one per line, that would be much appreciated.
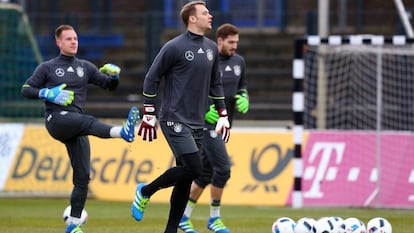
(298, 96)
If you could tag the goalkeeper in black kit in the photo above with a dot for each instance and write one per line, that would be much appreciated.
(216, 162)
(62, 83)
(189, 65)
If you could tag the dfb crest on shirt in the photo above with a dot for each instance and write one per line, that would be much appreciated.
(209, 54)
(79, 71)
(237, 70)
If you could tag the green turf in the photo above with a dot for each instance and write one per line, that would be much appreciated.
(45, 215)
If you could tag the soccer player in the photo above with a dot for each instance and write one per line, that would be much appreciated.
(62, 83)
(216, 162)
(189, 65)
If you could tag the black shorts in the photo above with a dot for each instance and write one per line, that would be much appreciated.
(181, 138)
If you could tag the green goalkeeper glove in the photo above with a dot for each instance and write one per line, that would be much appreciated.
(111, 70)
(242, 102)
(57, 95)
(212, 115)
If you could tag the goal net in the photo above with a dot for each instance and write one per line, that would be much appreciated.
(19, 56)
(356, 101)
(364, 87)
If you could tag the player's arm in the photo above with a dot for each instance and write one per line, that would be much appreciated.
(106, 77)
(242, 96)
(113, 71)
(217, 95)
(147, 129)
(34, 83)
(57, 95)
(34, 88)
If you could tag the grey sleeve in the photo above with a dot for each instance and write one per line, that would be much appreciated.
(34, 83)
(162, 62)
(216, 85)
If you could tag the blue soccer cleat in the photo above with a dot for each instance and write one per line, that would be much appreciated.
(128, 129)
(73, 228)
(216, 225)
(186, 225)
(139, 204)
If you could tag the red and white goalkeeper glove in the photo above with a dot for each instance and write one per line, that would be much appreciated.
(223, 125)
(147, 129)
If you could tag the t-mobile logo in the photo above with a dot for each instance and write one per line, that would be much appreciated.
(327, 151)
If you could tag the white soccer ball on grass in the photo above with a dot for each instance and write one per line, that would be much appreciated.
(66, 215)
(305, 225)
(353, 225)
(379, 225)
(283, 225)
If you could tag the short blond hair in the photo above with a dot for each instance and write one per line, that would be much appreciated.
(62, 28)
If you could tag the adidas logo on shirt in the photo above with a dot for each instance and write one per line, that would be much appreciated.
(70, 69)
(200, 50)
(228, 68)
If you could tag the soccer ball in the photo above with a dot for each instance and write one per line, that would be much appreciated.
(353, 225)
(337, 221)
(305, 225)
(66, 215)
(379, 225)
(283, 225)
(324, 225)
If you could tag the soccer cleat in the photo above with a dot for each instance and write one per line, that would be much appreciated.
(128, 129)
(186, 225)
(73, 228)
(216, 225)
(139, 204)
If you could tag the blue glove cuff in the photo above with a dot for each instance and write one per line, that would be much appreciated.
(114, 77)
(43, 93)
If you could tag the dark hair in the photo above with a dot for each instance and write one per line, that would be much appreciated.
(188, 10)
(61, 28)
(226, 30)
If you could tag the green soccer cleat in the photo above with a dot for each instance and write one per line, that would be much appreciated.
(216, 225)
(128, 130)
(186, 225)
(139, 204)
(73, 228)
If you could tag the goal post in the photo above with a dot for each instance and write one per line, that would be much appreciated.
(19, 56)
(368, 90)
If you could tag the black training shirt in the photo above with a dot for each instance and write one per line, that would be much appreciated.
(76, 73)
(189, 64)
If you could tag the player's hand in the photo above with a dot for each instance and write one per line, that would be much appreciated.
(212, 115)
(147, 129)
(57, 95)
(111, 70)
(223, 125)
(242, 102)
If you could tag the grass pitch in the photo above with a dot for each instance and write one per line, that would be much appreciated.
(45, 215)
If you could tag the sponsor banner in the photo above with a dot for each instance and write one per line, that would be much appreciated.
(359, 169)
(261, 167)
(10, 135)
(40, 164)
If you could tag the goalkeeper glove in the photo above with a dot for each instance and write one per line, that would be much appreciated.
(212, 115)
(242, 102)
(223, 125)
(57, 95)
(111, 70)
(147, 129)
